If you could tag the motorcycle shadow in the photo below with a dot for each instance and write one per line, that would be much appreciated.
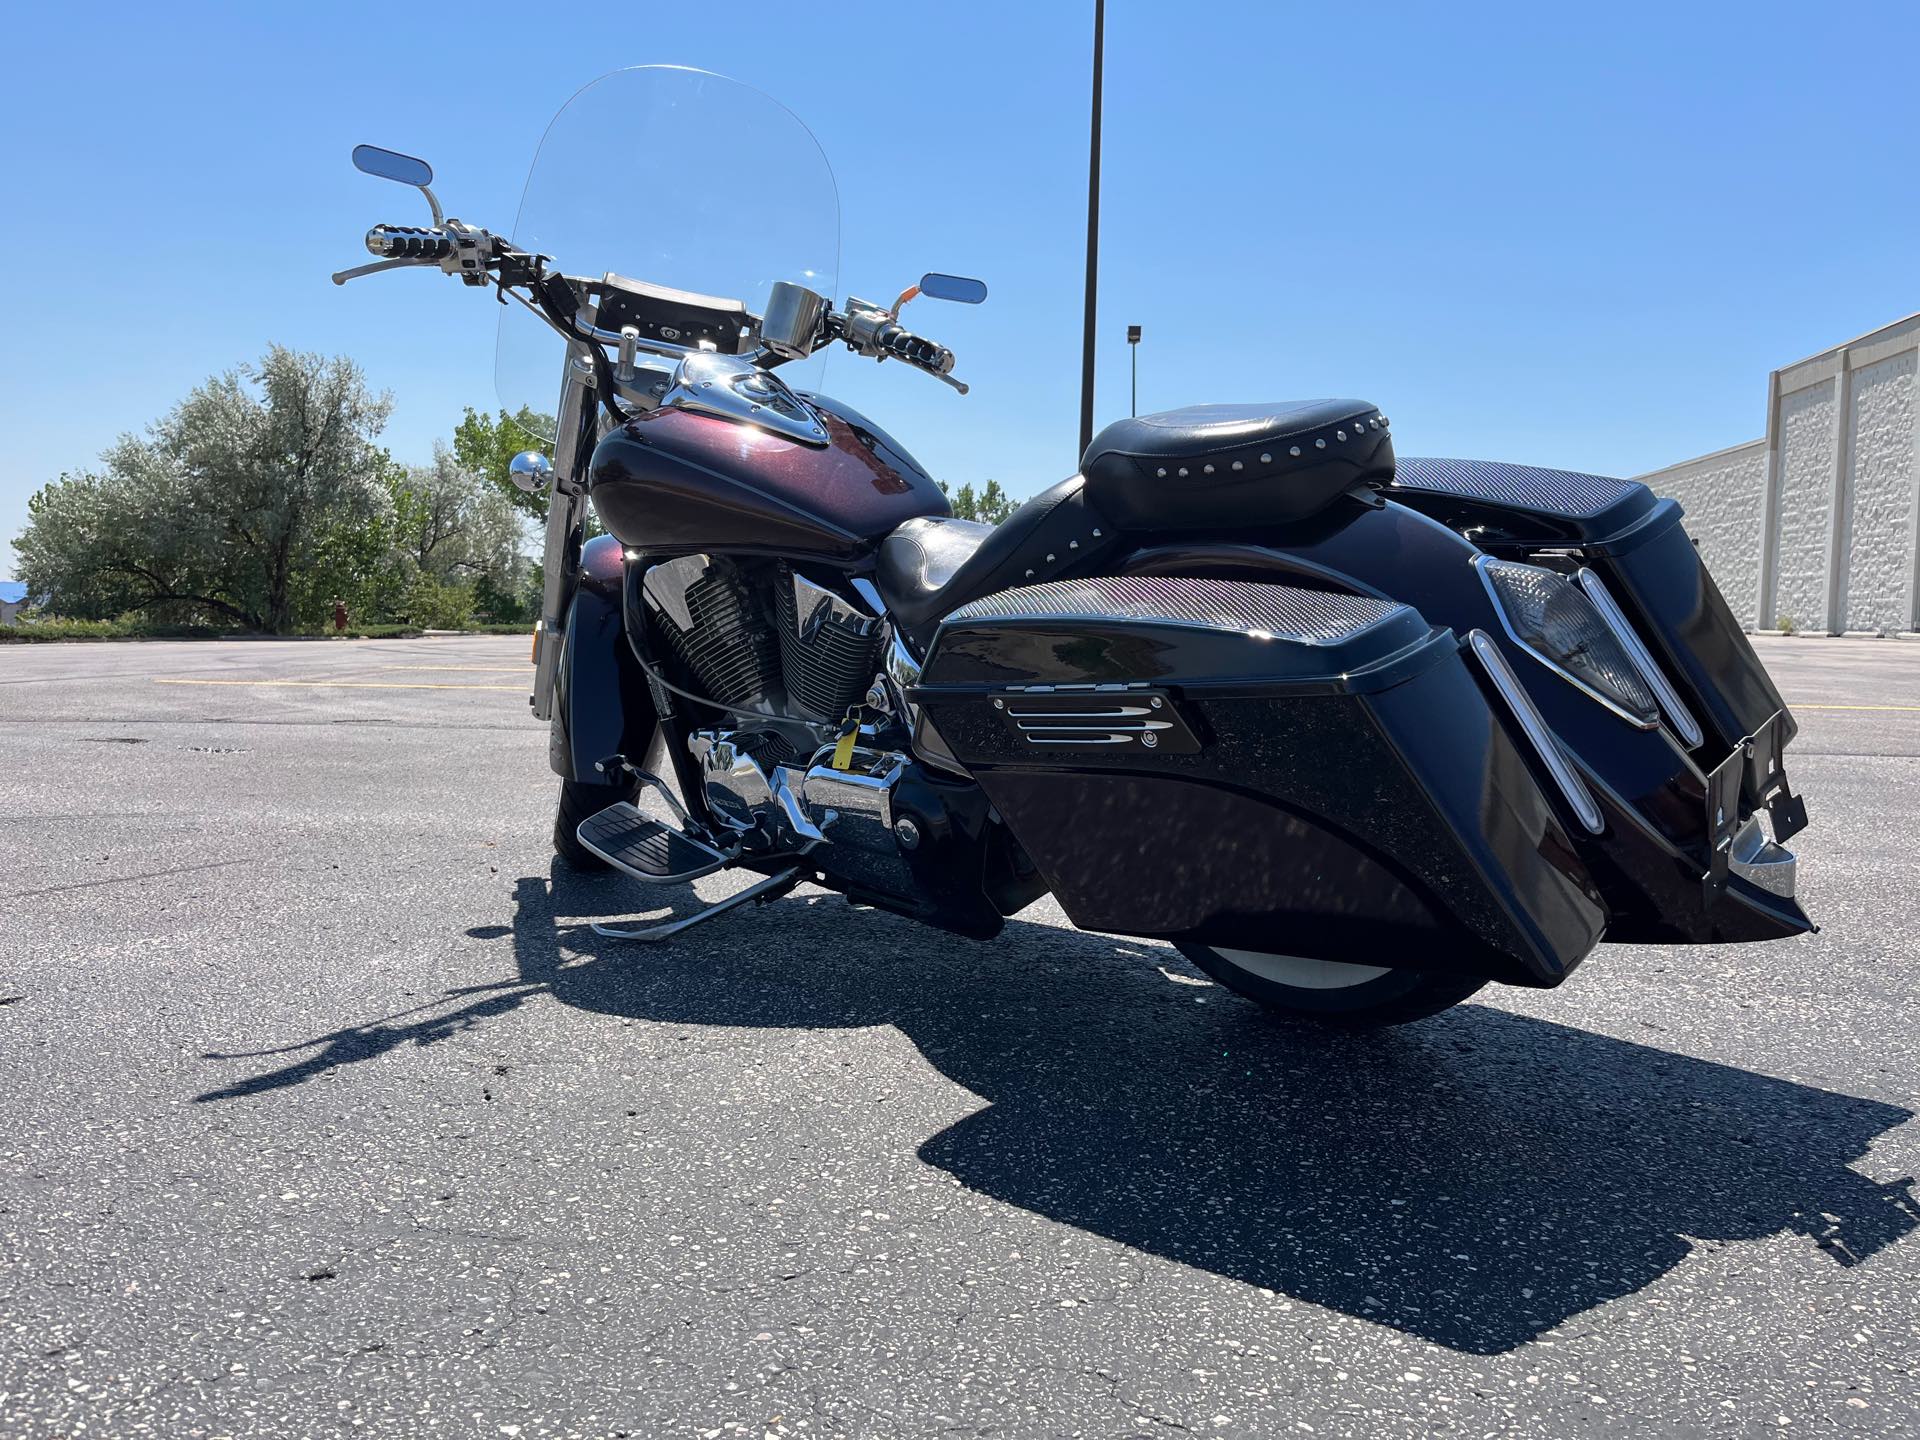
(1475, 1180)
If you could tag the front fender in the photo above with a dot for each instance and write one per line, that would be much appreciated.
(601, 705)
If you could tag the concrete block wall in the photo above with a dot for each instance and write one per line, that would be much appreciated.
(1723, 494)
(1817, 524)
(1880, 496)
(1802, 497)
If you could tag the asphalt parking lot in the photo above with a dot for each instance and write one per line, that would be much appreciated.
(323, 1112)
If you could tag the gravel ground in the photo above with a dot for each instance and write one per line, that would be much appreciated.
(323, 1112)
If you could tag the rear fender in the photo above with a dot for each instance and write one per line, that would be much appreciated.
(1634, 541)
(1654, 850)
(1659, 579)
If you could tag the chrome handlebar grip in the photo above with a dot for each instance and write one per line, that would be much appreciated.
(916, 351)
(870, 330)
(409, 242)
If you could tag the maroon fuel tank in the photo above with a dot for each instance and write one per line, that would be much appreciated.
(678, 480)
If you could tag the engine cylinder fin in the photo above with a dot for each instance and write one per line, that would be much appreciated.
(830, 666)
(729, 649)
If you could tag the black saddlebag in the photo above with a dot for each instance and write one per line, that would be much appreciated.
(1253, 766)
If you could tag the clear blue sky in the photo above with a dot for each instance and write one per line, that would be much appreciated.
(1576, 236)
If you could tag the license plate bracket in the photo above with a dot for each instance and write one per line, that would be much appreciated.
(1723, 818)
(1755, 774)
(1766, 777)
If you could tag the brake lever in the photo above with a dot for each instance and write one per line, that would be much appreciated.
(959, 385)
(340, 277)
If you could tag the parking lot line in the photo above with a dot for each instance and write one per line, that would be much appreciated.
(1795, 705)
(344, 684)
(470, 669)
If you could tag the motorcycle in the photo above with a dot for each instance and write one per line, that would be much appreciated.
(1358, 734)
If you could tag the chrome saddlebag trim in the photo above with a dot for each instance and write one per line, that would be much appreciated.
(1572, 789)
(1670, 703)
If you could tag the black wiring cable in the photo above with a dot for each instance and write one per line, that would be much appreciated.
(603, 376)
(567, 325)
(667, 684)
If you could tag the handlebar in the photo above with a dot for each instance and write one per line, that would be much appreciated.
(921, 353)
(409, 242)
(476, 256)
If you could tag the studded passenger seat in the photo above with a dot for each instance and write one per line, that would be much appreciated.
(1211, 465)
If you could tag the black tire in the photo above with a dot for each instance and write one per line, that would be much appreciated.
(1388, 997)
(577, 802)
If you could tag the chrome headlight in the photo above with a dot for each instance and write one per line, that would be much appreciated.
(1553, 619)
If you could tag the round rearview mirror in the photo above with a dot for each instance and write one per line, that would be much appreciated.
(531, 471)
(953, 287)
(391, 165)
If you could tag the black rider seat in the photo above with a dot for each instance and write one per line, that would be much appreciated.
(1207, 467)
(931, 566)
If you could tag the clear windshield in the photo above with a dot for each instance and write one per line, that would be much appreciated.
(675, 177)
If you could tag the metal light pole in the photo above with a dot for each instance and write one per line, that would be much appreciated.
(1133, 347)
(1093, 232)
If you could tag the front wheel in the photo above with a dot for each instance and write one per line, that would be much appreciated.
(1331, 992)
(577, 803)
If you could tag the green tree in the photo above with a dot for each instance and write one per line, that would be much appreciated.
(499, 604)
(97, 546)
(230, 507)
(462, 535)
(435, 604)
(995, 504)
(451, 525)
(991, 504)
(355, 559)
(484, 445)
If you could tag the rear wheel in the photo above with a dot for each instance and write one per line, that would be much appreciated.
(1331, 992)
(577, 803)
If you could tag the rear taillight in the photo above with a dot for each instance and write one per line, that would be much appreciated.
(1558, 624)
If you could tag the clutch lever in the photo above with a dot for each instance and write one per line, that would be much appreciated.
(340, 277)
(959, 385)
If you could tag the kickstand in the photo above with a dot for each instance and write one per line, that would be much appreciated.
(771, 888)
